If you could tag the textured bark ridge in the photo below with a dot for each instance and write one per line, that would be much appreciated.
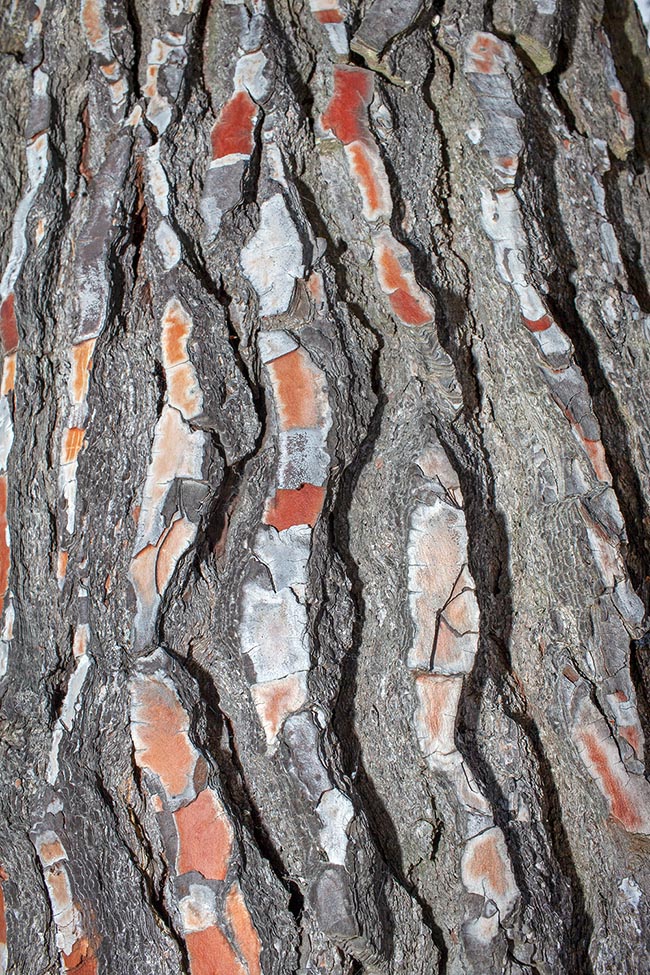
(324, 487)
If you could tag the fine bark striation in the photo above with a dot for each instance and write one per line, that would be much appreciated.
(324, 487)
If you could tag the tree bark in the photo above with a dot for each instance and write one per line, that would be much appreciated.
(324, 487)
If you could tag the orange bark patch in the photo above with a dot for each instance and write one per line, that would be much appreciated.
(8, 326)
(390, 270)
(160, 736)
(484, 866)
(295, 390)
(81, 960)
(62, 565)
(204, 837)
(298, 506)
(370, 176)
(91, 17)
(211, 953)
(174, 543)
(233, 130)
(81, 363)
(183, 389)
(612, 782)
(409, 309)
(486, 52)
(596, 454)
(8, 374)
(176, 328)
(347, 113)
(73, 439)
(329, 16)
(540, 325)
(246, 936)
(275, 700)
(4, 543)
(52, 852)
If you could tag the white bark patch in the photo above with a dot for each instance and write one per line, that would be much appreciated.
(335, 812)
(272, 259)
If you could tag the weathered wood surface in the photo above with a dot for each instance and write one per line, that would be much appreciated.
(324, 487)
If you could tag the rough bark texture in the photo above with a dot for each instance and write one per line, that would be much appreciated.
(324, 487)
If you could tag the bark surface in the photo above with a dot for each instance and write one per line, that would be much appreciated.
(324, 487)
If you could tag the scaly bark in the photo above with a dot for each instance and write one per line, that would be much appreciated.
(324, 487)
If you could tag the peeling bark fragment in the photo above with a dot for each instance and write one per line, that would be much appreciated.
(627, 794)
(384, 21)
(159, 727)
(486, 870)
(215, 926)
(72, 939)
(396, 279)
(273, 258)
(444, 611)
(245, 935)
(536, 26)
(331, 14)
(205, 837)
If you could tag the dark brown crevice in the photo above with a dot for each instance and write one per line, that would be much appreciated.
(629, 246)
(631, 72)
(154, 896)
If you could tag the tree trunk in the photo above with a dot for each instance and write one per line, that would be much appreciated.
(324, 487)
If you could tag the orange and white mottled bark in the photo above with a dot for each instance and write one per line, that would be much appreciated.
(177, 453)
(74, 938)
(202, 853)
(445, 618)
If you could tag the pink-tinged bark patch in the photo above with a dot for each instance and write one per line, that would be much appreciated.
(409, 309)
(204, 837)
(346, 116)
(183, 390)
(143, 576)
(330, 16)
(92, 19)
(628, 796)
(246, 936)
(5, 554)
(81, 960)
(298, 390)
(8, 374)
(299, 506)
(81, 364)
(619, 99)
(368, 170)
(486, 870)
(596, 454)
(211, 953)
(275, 700)
(435, 718)
(159, 728)
(234, 128)
(8, 325)
(486, 54)
(540, 325)
(175, 542)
